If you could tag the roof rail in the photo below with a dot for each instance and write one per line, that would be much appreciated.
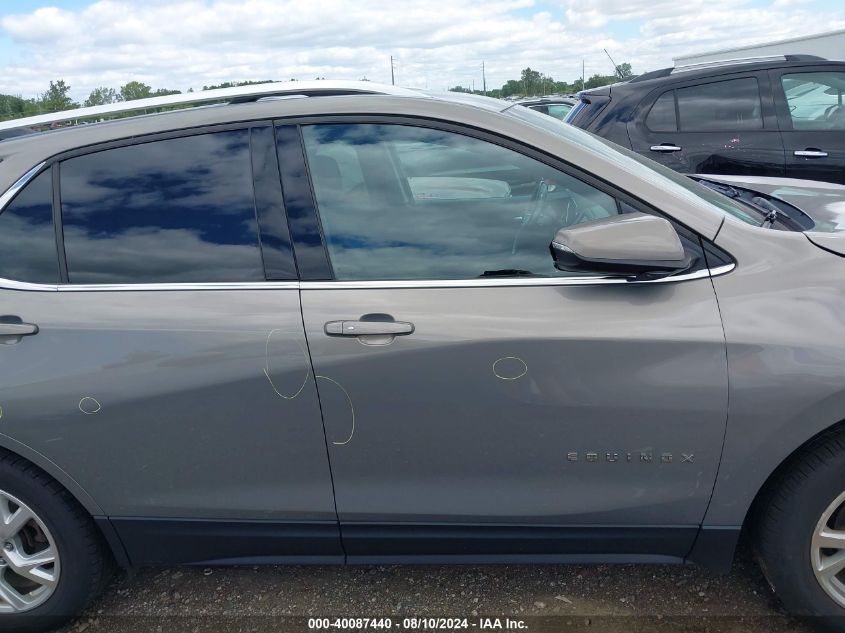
(665, 72)
(237, 94)
(746, 60)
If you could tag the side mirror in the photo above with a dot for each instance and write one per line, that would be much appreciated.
(626, 244)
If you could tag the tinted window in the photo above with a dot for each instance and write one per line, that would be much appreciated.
(27, 238)
(178, 210)
(428, 204)
(815, 100)
(661, 117)
(724, 105)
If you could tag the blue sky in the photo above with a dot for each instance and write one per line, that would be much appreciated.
(191, 43)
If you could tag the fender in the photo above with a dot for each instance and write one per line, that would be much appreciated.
(782, 312)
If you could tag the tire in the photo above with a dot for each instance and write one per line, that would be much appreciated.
(788, 519)
(83, 563)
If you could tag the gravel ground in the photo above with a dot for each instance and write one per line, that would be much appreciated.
(595, 598)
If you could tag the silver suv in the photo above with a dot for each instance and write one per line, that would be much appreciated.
(382, 328)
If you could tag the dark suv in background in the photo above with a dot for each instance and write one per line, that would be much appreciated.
(774, 116)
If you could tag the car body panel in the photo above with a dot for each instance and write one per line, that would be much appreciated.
(782, 311)
(157, 402)
(509, 393)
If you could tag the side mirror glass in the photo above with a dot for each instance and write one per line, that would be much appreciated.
(626, 244)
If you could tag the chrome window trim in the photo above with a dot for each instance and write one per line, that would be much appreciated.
(10, 284)
(236, 285)
(19, 184)
(513, 282)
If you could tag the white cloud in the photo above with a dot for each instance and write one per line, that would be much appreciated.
(191, 43)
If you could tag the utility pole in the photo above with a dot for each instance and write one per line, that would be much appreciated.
(483, 78)
(392, 78)
(582, 74)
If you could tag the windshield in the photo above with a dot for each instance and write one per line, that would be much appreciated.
(640, 165)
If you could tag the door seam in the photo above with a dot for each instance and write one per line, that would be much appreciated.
(323, 422)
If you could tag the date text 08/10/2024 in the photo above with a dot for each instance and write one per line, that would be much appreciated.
(417, 624)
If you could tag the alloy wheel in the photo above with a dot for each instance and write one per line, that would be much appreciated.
(29, 559)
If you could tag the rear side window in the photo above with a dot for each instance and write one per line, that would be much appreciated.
(815, 100)
(27, 237)
(661, 117)
(723, 105)
(176, 210)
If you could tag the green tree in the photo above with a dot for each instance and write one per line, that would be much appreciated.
(163, 92)
(601, 80)
(135, 90)
(102, 96)
(232, 84)
(625, 70)
(56, 98)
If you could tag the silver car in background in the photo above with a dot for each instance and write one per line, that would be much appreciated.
(356, 327)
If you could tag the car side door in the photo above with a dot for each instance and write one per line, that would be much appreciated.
(811, 111)
(167, 372)
(477, 401)
(712, 126)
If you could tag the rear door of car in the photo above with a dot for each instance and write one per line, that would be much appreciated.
(478, 402)
(167, 370)
(724, 125)
(810, 103)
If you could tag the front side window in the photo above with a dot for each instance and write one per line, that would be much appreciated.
(175, 210)
(27, 237)
(402, 202)
(723, 105)
(815, 100)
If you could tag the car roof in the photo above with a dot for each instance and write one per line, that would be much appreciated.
(714, 69)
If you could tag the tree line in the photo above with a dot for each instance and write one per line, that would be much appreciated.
(57, 97)
(534, 83)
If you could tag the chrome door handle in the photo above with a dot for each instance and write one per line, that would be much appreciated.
(14, 326)
(810, 153)
(369, 328)
(665, 147)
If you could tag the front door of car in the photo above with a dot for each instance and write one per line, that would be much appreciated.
(811, 108)
(168, 377)
(711, 127)
(470, 390)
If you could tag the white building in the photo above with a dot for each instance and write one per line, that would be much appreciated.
(830, 45)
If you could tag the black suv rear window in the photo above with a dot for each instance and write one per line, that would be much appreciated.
(175, 210)
(661, 117)
(722, 105)
(27, 237)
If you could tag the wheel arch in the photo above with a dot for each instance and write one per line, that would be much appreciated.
(55, 471)
(715, 545)
(87, 503)
(776, 476)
